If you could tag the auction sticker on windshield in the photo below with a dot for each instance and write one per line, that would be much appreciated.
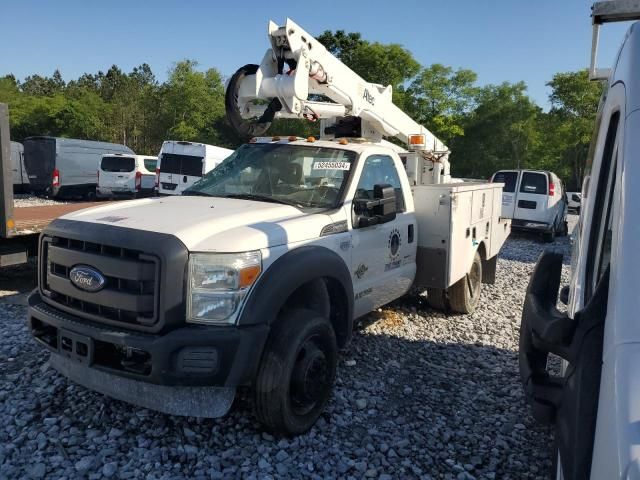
(332, 166)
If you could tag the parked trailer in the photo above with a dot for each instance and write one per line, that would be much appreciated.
(21, 226)
(66, 167)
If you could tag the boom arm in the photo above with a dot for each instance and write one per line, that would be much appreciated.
(315, 71)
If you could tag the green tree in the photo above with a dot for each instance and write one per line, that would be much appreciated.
(193, 103)
(570, 122)
(502, 132)
(440, 98)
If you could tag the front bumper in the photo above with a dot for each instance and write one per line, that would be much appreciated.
(530, 225)
(192, 355)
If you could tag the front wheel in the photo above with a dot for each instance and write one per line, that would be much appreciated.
(465, 293)
(297, 372)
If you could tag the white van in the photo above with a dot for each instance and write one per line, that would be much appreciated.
(126, 175)
(181, 164)
(66, 167)
(20, 177)
(534, 200)
(574, 201)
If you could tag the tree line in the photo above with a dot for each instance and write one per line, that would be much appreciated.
(486, 127)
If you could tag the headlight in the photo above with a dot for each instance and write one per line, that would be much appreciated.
(218, 284)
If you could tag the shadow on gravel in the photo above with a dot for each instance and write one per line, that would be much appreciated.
(402, 407)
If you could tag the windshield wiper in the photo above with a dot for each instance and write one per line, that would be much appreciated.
(263, 198)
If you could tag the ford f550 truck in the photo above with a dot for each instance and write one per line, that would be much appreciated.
(255, 274)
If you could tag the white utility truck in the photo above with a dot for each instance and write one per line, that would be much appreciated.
(594, 401)
(255, 274)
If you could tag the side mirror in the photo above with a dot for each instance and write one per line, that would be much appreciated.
(381, 209)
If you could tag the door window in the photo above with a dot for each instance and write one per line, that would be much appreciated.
(533, 183)
(377, 170)
(601, 232)
(508, 178)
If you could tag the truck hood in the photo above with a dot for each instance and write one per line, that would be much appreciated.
(211, 224)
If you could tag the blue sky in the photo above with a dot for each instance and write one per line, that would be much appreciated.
(501, 40)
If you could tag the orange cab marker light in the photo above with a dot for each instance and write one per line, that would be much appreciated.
(419, 139)
(311, 139)
(343, 141)
(275, 139)
(248, 275)
(293, 138)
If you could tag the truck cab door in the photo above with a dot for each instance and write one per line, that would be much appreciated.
(570, 400)
(383, 256)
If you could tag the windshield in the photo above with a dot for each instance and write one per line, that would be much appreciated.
(118, 164)
(181, 164)
(283, 173)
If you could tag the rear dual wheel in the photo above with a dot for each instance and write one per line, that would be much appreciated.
(464, 295)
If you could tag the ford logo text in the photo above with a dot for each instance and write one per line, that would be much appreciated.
(87, 278)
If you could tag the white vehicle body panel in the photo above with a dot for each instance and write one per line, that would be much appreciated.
(20, 177)
(574, 200)
(112, 182)
(175, 180)
(457, 219)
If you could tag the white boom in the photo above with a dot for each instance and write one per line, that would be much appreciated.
(315, 71)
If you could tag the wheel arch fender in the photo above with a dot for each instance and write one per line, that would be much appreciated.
(292, 270)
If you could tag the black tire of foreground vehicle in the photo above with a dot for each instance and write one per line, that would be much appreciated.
(297, 372)
(465, 293)
(436, 299)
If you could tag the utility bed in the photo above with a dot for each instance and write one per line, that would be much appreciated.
(452, 217)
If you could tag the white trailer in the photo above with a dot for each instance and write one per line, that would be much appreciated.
(254, 275)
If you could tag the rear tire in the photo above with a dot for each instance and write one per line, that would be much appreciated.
(296, 375)
(465, 293)
(549, 237)
(436, 298)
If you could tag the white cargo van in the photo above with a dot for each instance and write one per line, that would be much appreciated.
(126, 175)
(20, 177)
(593, 400)
(534, 200)
(66, 167)
(181, 164)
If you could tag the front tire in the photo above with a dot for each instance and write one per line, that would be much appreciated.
(465, 293)
(297, 372)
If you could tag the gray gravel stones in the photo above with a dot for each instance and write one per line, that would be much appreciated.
(419, 394)
(28, 200)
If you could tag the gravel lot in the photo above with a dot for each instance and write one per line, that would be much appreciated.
(29, 200)
(419, 395)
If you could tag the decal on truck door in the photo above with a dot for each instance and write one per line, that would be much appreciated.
(394, 243)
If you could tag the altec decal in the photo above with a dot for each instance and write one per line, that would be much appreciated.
(367, 97)
(361, 270)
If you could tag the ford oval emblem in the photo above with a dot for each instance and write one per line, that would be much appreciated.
(87, 278)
